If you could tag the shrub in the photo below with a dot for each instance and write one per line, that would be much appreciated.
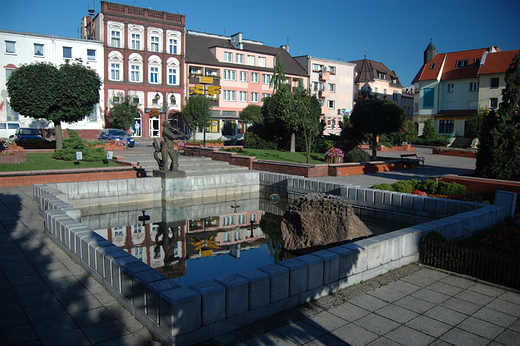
(253, 141)
(383, 186)
(406, 186)
(358, 155)
(437, 141)
(435, 236)
(73, 144)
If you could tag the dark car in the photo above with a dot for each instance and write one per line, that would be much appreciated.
(115, 135)
(24, 133)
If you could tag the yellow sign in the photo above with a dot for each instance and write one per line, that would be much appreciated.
(213, 87)
(199, 243)
(194, 91)
(206, 253)
(206, 80)
(213, 92)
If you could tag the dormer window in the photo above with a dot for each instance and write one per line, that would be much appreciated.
(381, 75)
(476, 63)
(432, 66)
(461, 63)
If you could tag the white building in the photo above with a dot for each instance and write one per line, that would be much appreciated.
(333, 82)
(18, 48)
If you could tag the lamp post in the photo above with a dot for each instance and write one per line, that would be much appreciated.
(173, 101)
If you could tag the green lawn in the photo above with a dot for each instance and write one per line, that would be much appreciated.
(285, 156)
(43, 161)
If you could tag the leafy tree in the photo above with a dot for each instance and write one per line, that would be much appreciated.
(377, 117)
(308, 108)
(252, 114)
(429, 131)
(65, 94)
(499, 148)
(278, 75)
(409, 132)
(278, 111)
(124, 112)
(475, 123)
(193, 112)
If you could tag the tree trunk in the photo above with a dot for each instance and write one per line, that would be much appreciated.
(374, 146)
(293, 142)
(59, 136)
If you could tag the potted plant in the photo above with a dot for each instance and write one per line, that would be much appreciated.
(334, 155)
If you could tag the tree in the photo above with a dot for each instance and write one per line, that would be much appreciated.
(278, 75)
(475, 123)
(510, 105)
(193, 112)
(377, 117)
(409, 132)
(124, 112)
(252, 114)
(65, 94)
(308, 108)
(278, 111)
(429, 131)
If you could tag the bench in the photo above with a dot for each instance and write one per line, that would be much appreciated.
(409, 157)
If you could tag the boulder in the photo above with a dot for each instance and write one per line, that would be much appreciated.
(317, 219)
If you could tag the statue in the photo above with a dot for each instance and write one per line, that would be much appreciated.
(167, 149)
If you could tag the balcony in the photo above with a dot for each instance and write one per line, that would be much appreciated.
(323, 93)
(324, 75)
(324, 110)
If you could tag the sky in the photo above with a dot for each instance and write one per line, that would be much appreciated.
(394, 32)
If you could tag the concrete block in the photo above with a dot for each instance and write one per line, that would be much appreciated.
(453, 207)
(278, 281)
(407, 201)
(180, 310)
(314, 270)
(373, 248)
(379, 197)
(330, 265)
(411, 237)
(153, 292)
(258, 288)
(237, 294)
(430, 205)
(397, 200)
(418, 202)
(358, 260)
(142, 280)
(128, 281)
(386, 248)
(115, 263)
(213, 301)
(506, 199)
(297, 275)
(345, 260)
(349, 281)
(103, 256)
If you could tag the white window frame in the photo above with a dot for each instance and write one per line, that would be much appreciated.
(135, 73)
(115, 71)
(239, 58)
(9, 43)
(254, 97)
(242, 96)
(116, 57)
(115, 36)
(69, 50)
(473, 86)
(266, 78)
(228, 56)
(155, 43)
(332, 87)
(230, 75)
(90, 56)
(261, 61)
(136, 40)
(251, 60)
(42, 54)
(331, 104)
(229, 95)
(451, 87)
(154, 70)
(173, 75)
(243, 76)
(154, 75)
(173, 46)
(255, 77)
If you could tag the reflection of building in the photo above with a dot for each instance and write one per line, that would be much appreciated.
(24, 48)
(242, 68)
(450, 87)
(333, 82)
(144, 58)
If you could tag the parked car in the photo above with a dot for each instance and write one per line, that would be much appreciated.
(24, 133)
(115, 135)
(8, 128)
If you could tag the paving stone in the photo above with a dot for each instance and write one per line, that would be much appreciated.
(397, 313)
(474, 297)
(515, 326)
(418, 280)
(327, 339)
(403, 287)
(355, 335)
(54, 326)
(446, 315)
(270, 338)
(428, 326)
(368, 302)
(496, 317)
(415, 304)
(71, 337)
(77, 305)
(487, 290)
(460, 305)
(511, 297)
(45, 312)
(104, 331)
(92, 317)
(461, 337)
(300, 332)
(482, 328)
(386, 294)
(408, 336)
(445, 288)
(509, 337)
(19, 335)
(326, 321)
(430, 296)
(377, 324)
(348, 312)
(382, 341)
(505, 306)
(432, 274)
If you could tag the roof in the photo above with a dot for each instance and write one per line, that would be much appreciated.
(497, 62)
(367, 71)
(198, 52)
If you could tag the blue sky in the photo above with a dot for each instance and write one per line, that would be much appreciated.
(394, 32)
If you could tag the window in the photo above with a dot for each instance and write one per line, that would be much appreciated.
(254, 97)
(173, 46)
(332, 87)
(38, 49)
(428, 98)
(266, 78)
(473, 104)
(243, 76)
(451, 87)
(261, 61)
(445, 126)
(238, 234)
(255, 77)
(331, 104)
(476, 62)
(461, 63)
(264, 95)
(154, 47)
(432, 66)
(332, 69)
(251, 60)
(8, 73)
(230, 75)
(242, 219)
(135, 73)
(91, 54)
(115, 38)
(316, 68)
(239, 58)
(10, 47)
(416, 107)
(92, 117)
(395, 96)
(213, 126)
(228, 57)
(494, 83)
(154, 75)
(226, 237)
(136, 41)
(473, 86)
(172, 76)
(243, 96)
(493, 102)
(315, 86)
(229, 95)
(381, 75)
(115, 71)
(67, 52)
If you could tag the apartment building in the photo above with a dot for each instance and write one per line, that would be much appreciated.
(243, 70)
(18, 48)
(144, 57)
(333, 83)
(451, 87)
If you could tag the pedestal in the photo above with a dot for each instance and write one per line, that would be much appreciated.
(169, 174)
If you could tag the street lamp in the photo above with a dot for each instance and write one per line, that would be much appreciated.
(173, 100)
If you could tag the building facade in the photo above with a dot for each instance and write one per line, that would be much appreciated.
(333, 83)
(144, 54)
(243, 70)
(451, 87)
(20, 48)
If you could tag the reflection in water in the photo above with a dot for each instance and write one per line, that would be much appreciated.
(195, 245)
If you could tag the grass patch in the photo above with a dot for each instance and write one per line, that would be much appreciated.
(44, 161)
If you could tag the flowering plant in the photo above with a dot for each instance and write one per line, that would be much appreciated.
(153, 113)
(419, 192)
(10, 152)
(334, 152)
(180, 144)
(116, 142)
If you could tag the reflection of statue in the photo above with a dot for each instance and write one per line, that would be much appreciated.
(168, 243)
(167, 148)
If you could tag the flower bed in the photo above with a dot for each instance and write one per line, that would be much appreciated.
(334, 155)
(13, 156)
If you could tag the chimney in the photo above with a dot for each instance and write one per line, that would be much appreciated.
(285, 47)
(236, 41)
(429, 53)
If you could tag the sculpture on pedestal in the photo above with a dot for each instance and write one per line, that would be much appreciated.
(167, 149)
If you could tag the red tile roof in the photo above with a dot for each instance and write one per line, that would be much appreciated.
(451, 71)
(497, 62)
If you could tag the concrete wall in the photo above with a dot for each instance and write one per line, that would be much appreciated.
(186, 315)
